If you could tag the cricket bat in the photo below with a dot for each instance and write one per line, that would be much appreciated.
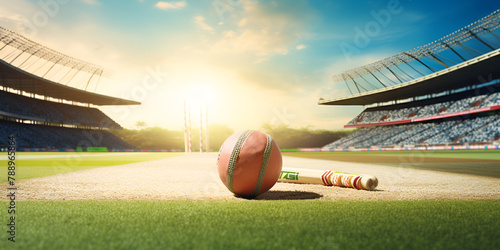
(328, 178)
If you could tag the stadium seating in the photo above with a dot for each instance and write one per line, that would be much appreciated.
(408, 131)
(463, 101)
(350, 139)
(51, 137)
(463, 104)
(487, 133)
(459, 130)
(379, 134)
(432, 109)
(402, 114)
(52, 112)
(431, 129)
(450, 105)
(491, 100)
(56, 115)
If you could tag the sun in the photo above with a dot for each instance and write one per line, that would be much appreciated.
(200, 94)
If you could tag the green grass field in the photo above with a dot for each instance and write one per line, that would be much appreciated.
(249, 224)
(475, 162)
(39, 164)
(452, 154)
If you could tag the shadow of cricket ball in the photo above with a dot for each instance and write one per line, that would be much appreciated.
(249, 163)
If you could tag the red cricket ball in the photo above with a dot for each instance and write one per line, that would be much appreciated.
(249, 163)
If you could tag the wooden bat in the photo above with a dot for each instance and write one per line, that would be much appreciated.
(328, 178)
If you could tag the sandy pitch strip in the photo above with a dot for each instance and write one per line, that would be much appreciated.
(195, 177)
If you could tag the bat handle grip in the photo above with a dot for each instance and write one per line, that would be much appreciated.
(366, 182)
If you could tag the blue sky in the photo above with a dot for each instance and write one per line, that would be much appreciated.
(255, 61)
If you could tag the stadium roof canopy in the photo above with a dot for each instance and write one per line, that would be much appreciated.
(28, 66)
(16, 78)
(468, 73)
(452, 62)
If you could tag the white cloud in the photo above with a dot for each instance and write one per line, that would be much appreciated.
(91, 2)
(170, 5)
(15, 16)
(243, 22)
(265, 29)
(200, 21)
(300, 47)
(11, 20)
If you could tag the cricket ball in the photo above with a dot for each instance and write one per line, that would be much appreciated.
(249, 163)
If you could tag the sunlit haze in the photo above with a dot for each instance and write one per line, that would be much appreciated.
(250, 62)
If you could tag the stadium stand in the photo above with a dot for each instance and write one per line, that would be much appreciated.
(421, 101)
(45, 114)
(488, 132)
(53, 113)
(460, 130)
(51, 137)
(463, 101)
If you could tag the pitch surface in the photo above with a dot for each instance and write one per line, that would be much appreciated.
(195, 177)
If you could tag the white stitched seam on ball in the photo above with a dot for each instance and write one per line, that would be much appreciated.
(218, 155)
(265, 163)
(234, 156)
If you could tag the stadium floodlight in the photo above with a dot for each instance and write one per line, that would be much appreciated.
(430, 51)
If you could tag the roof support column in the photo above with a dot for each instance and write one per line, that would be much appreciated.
(376, 77)
(438, 60)
(479, 39)
(454, 51)
(418, 60)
